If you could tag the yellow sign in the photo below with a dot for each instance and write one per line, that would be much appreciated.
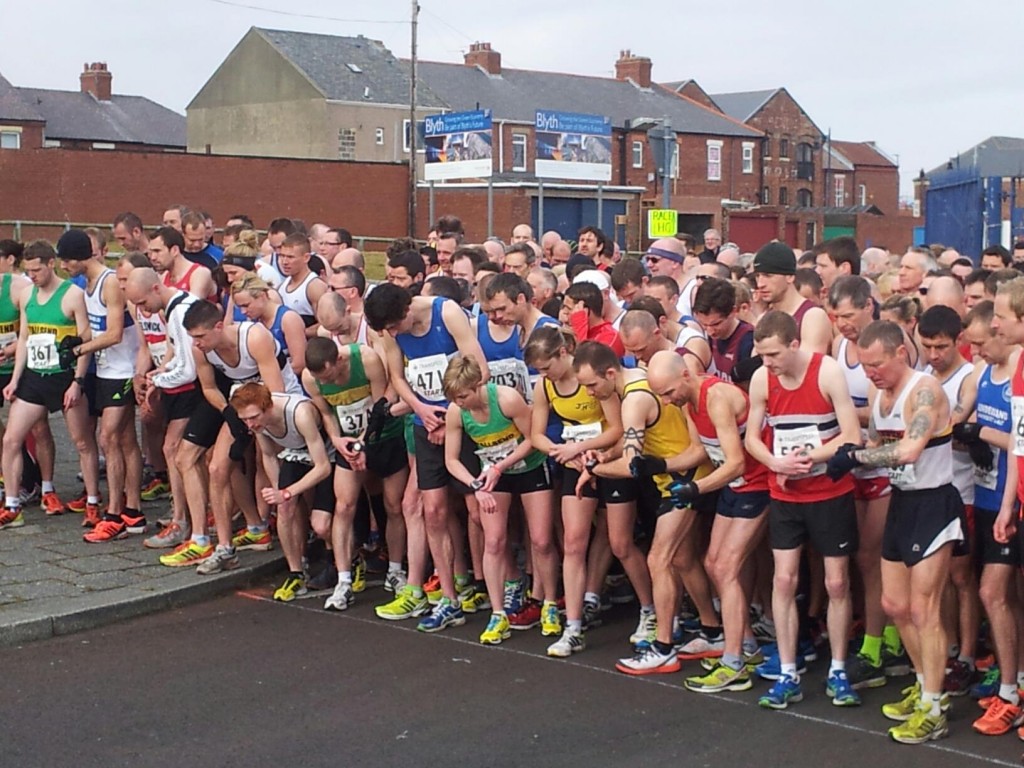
(662, 222)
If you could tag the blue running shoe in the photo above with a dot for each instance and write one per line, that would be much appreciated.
(445, 614)
(806, 649)
(771, 669)
(784, 692)
(838, 689)
(989, 684)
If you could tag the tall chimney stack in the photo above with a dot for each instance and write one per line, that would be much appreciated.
(635, 68)
(481, 55)
(96, 79)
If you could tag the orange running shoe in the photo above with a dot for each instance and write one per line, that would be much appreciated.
(78, 504)
(433, 583)
(106, 530)
(51, 504)
(999, 718)
(92, 515)
(11, 517)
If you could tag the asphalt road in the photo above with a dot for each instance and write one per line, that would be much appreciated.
(242, 681)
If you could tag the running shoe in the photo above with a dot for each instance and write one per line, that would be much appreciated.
(222, 559)
(327, 578)
(895, 664)
(988, 686)
(771, 668)
(649, 661)
(919, 727)
(720, 678)
(569, 643)
(703, 647)
(134, 523)
(30, 495)
(762, 627)
(406, 605)
(959, 678)
(983, 663)
(11, 517)
(339, 600)
(863, 673)
(591, 615)
(294, 586)
(550, 620)
(92, 515)
(106, 530)
(156, 489)
(840, 690)
(78, 504)
(497, 630)
(432, 589)
(526, 618)
(784, 691)
(750, 660)
(514, 597)
(619, 590)
(358, 574)
(905, 708)
(804, 648)
(477, 601)
(394, 581)
(188, 553)
(259, 541)
(51, 504)
(1000, 716)
(170, 536)
(646, 628)
(445, 614)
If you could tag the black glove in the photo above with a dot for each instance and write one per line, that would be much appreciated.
(66, 352)
(238, 429)
(377, 419)
(238, 448)
(683, 493)
(744, 369)
(646, 466)
(842, 462)
(967, 433)
(981, 454)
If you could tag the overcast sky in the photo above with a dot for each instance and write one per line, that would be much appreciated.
(925, 79)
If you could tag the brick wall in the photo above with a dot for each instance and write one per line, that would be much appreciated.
(68, 185)
(511, 207)
(782, 118)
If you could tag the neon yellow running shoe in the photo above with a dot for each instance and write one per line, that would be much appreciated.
(721, 678)
(904, 709)
(406, 605)
(497, 630)
(550, 620)
(922, 726)
(358, 574)
(188, 553)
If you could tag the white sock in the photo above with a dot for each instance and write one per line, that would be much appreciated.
(789, 670)
(12, 501)
(592, 597)
(92, 499)
(838, 665)
(574, 625)
(1008, 692)
(394, 567)
(48, 486)
(931, 700)
(345, 576)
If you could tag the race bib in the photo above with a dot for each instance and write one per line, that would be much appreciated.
(577, 433)
(492, 454)
(799, 440)
(1017, 413)
(510, 373)
(158, 351)
(717, 457)
(989, 478)
(42, 351)
(352, 417)
(426, 376)
(8, 338)
(296, 456)
(903, 475)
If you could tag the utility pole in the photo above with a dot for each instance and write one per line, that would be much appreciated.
(412, 121)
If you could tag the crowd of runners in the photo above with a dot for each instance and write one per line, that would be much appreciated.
(778, 455)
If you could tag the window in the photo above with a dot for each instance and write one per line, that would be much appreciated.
(51, 143)
(766, 147)
(714, 160)
(862, 194)
(518, 151)
(748, 157)
(766, 196)
(638, 154)
(378, 137)
(784, 148)
(804, 198)
(783, 196)
(673, 170)
(103, 145)
(10, 139)
(407, 138)
(840, 191)
(805, 162)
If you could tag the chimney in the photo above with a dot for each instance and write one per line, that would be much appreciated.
(96, 79)
(481, 55)
(635, 68)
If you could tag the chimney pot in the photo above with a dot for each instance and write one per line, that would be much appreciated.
(481, 55)
(635, 68)
(97, 80)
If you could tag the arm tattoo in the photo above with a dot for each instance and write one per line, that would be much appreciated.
(883, 456)
(924, 398)
(633, 442)
(920, 425)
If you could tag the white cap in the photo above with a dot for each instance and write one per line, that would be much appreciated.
(595, 277)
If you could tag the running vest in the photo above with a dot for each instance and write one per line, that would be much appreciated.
(293, 444)
(580, 413)
(47, 327)
(247, 370)
(504, 358)
(857, 382)
(802, 310)
(755, 474)
(533, 373)
(352, 400)
(116, 362)
(934, 467)
(278, 332)
(668, 436)
(963, 467)
(183, 283)
(298, 300)
(10, 319)
(993, 410)
(725, 353)
(802, 419)
(497, 437)
(426, 358)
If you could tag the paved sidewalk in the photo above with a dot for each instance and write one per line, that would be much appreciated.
(54, 583)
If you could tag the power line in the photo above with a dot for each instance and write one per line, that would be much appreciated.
(453, 29)
(249, 7)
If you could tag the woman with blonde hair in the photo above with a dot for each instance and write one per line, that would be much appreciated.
(251, 295)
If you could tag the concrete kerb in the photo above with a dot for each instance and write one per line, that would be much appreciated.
(20, 625)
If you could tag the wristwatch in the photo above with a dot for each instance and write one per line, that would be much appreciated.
(80, 380)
